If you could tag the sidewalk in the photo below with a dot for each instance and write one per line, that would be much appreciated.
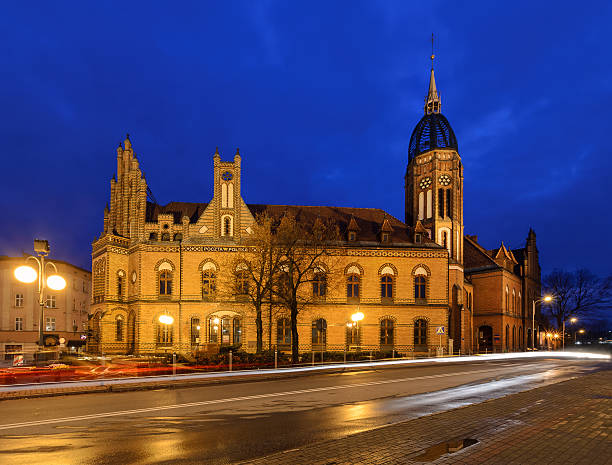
(565, 423)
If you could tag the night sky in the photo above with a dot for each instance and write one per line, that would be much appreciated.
(321, 98)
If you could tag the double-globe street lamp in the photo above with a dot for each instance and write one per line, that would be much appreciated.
(547, 298)
(27, 274)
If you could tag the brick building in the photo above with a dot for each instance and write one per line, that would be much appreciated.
(65, 312)
(407, 278)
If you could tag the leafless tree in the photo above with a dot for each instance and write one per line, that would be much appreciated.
(577, 293)
(255, 270)
(305, 255)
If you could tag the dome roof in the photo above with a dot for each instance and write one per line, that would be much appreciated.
(432, 132)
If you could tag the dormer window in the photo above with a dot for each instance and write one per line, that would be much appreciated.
(352, 236)
(417, 238)
(385, 237)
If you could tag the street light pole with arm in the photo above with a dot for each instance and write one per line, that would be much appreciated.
(547, 298)
(27, 274)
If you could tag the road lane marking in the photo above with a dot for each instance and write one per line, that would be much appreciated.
(232, 399)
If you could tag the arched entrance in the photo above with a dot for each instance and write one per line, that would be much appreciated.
(485, 339)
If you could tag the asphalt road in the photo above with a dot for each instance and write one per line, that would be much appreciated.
(234, 422)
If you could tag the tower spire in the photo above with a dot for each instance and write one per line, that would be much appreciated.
(432, 102)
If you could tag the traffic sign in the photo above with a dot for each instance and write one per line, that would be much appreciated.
(440, 330)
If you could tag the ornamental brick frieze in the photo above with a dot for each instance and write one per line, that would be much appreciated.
(387, 253)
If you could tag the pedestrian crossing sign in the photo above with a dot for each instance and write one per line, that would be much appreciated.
(440, 330)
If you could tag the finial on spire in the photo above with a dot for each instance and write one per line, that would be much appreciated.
(217, 150)
(432, 50)
(237, 151)
(127, 142)
(432, 101)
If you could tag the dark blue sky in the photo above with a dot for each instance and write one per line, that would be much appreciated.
(321, 98)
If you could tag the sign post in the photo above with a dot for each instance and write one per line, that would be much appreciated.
(440, 332)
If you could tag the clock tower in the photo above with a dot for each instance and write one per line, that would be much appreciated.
(434, 197)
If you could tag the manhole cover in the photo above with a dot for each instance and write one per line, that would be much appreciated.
(449, 447)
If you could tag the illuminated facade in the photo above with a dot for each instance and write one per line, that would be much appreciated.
(177, 261)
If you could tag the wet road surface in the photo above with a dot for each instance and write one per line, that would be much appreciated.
(234, 422)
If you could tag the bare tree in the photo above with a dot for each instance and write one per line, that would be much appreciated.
(255, 270)
(577, 293)
(304, 250)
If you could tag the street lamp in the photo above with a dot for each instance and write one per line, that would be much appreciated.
(27, 274)
(572, 321)
(355, 319)
(547, 298)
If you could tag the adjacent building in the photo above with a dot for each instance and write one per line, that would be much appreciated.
(65, 313)
(420, 284)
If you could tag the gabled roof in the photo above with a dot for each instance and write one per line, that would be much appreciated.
(369, 221)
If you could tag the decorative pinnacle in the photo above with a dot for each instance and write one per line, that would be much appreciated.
(237, 151)
(217, 150)
(432, 101)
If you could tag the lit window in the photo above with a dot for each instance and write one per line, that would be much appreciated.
(119, 328)
(18, 324)
(352, 236)
(209, 284)
(18, 300)
(164, 334)
(50, 324)
(195, 331)
(319, 332)
(51, 303)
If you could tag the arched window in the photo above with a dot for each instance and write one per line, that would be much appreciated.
(283, 332)
(227, 226)
(441, 203)
(319, 285)
(119, 328)
(507, 300)
(152, 236)
(164, 334)
(352, 287)
(236, 331)
(513, 301)
(120, 283)
(165, 283)
(507, 337)
(195, 331)
(319, 333)
(242, 282)
(213, 329)
(514, 338)
(420, 332)
(165, 236)
(420, 286)
(178, 237)
(209, 283)
(386, 287)
(386, 332)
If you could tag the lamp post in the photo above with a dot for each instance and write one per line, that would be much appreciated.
(27, 274)
(547, 298)
(355, 319)
(572, 321)
(167, 320)
(581, 331)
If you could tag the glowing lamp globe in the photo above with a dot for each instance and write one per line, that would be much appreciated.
(357, 316)
(547, 298)
(56, 282)
(25, 274)
(166, 319)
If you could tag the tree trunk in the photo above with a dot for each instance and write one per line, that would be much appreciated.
(259, 329)
(295, 354)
